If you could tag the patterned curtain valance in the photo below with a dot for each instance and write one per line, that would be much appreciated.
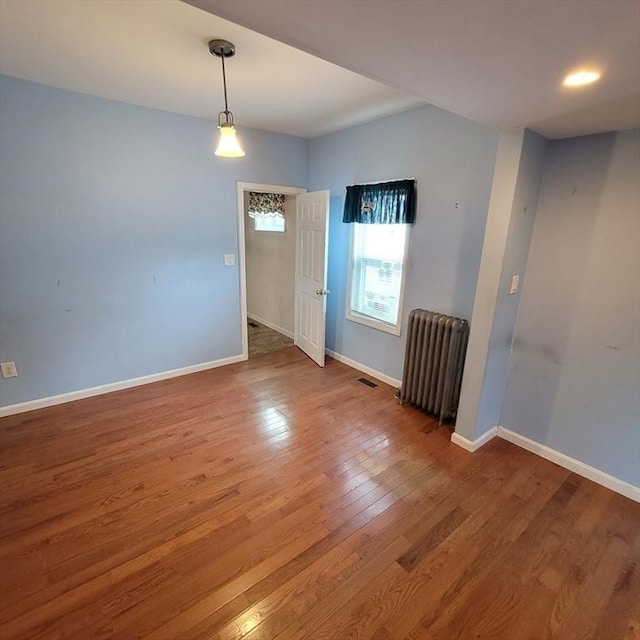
(381, 203)
(266, 205)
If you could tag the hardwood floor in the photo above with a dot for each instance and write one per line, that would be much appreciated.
(276, 500)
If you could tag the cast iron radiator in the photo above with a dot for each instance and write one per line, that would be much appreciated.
(433, 362)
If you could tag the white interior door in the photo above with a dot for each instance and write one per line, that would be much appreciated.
(311, 273)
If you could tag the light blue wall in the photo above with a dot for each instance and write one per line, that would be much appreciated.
(452, 160)
(114, 222)
(574, 375)
(516, 251)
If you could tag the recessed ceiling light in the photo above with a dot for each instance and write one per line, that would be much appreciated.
(580, 78)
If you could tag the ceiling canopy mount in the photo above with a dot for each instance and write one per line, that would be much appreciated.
(222, 48)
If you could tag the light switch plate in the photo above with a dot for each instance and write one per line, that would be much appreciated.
(229, 259)
(8, 369)
(515, 281)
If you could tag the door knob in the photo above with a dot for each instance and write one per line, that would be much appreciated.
(322, 292)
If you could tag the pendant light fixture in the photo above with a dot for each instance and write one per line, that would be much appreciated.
(228, 146)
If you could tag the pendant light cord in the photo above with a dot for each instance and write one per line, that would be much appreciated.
(224, 84)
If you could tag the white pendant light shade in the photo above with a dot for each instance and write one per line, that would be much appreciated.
(228, 147)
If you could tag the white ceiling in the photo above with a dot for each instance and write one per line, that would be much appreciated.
(154, 53)
(499, 62)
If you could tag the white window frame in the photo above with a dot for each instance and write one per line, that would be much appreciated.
(368, 321)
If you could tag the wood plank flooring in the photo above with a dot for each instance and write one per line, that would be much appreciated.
(274, 500)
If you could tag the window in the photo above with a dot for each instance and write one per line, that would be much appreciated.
(270, 223)
(379, 215)
(267, 211)
(377, 275)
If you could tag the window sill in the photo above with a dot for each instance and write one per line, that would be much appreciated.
(374, 324)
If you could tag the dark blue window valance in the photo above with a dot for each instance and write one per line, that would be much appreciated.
(381, 203)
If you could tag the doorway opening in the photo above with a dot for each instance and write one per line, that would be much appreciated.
(307, 215)
(268, 264)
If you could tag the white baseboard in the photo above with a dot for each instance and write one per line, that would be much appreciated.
(582, 469)
(473, 445)
(266, 323)
(383, 377)
(41, 403)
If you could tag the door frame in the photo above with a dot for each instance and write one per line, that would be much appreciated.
(241, 188)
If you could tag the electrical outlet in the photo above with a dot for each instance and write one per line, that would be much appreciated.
(9, 369)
